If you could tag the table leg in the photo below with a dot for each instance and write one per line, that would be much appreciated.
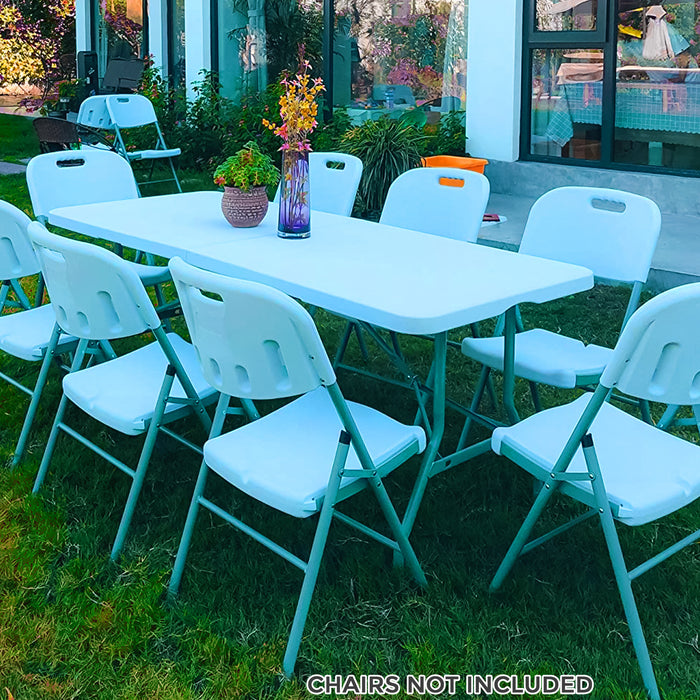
(509, 365)
(438, 429)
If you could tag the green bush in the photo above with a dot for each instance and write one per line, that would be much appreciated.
(387, 148)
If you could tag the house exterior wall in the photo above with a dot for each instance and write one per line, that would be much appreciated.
(494, 78)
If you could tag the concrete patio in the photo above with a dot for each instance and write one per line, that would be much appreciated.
(677, 258)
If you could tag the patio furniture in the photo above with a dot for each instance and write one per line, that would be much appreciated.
(97, 296)
(333, 188)
(446, 202)
(621, 468)
(611, 232)
(135, 112)
(411, 282)
(93, 113)
(56, 134)
(305, 458)
(80, 177)
(29, 333)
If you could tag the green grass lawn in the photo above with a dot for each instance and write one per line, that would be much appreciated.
(17, 138)
(73, 625)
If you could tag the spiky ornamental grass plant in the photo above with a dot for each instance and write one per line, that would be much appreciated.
(387, 148)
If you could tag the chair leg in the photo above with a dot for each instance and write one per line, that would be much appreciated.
(314, 563)
(484, 379)
(624, 583)
(535, 393)
(409, 556)
(340, 353)
(49, 357)
(522, 537)
(361, 341)
(53, 435)
(184, 546)
(142, 467)
(50, 445)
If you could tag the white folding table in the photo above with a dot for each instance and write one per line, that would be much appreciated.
(401, 280)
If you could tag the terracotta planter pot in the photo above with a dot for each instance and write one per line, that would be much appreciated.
(244, 209)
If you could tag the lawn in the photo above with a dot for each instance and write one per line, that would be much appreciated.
(73, 625)
(17, 138)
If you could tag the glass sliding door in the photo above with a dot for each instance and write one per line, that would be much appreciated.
(119, 30)
(176, 43)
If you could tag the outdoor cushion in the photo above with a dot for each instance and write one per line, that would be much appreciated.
(122, 393)
(544, 357)
(647, 472)
(26, 334)
(284, 459)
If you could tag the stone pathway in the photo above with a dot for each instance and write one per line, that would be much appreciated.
(11, 168)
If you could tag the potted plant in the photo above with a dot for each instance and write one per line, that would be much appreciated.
(245, 178)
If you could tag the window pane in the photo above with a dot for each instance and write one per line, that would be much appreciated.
(395, 55)
(565, 15)
(567, 103)
(657, 108)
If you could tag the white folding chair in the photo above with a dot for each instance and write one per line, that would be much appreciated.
(622, 468)
(98, 296)
(94, 115)
(136, 111)
(612, 233)
(70, 178)
(67, 179)
(333, 181)
(447, 202)
(27, 333)
(254, 342)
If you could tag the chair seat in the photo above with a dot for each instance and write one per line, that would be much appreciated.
(26, 334)
(153, 153)
(122, 393)
(284, 459)
(544, 357)
(647, 473)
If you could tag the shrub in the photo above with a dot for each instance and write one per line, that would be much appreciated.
(387, 148)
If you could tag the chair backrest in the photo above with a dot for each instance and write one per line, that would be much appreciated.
(612, 233)
(130, 111)
(252, 341)
(657, 357)
(66, 179)
(447, 202)
(334, 179)
(17, 257)
(55, 134)
(95, 294)
(93, 113)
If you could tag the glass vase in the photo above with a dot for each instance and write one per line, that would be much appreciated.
(295, 207)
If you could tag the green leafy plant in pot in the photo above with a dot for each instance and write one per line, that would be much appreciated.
(245, 177)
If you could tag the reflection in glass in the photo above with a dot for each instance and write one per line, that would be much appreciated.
(565, 15)
(119, 31)
(394, 56)
(657, 109)
(567, 103)
(176, 43)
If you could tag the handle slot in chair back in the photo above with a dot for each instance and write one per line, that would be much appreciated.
(658, 355)
(95, 294)
(256, 342)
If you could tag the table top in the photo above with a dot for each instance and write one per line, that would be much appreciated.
(403, 280)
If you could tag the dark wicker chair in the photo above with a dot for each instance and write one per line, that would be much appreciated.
(55, 134)
(62, 135)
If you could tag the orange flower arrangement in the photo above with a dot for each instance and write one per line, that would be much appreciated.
(298, 110)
